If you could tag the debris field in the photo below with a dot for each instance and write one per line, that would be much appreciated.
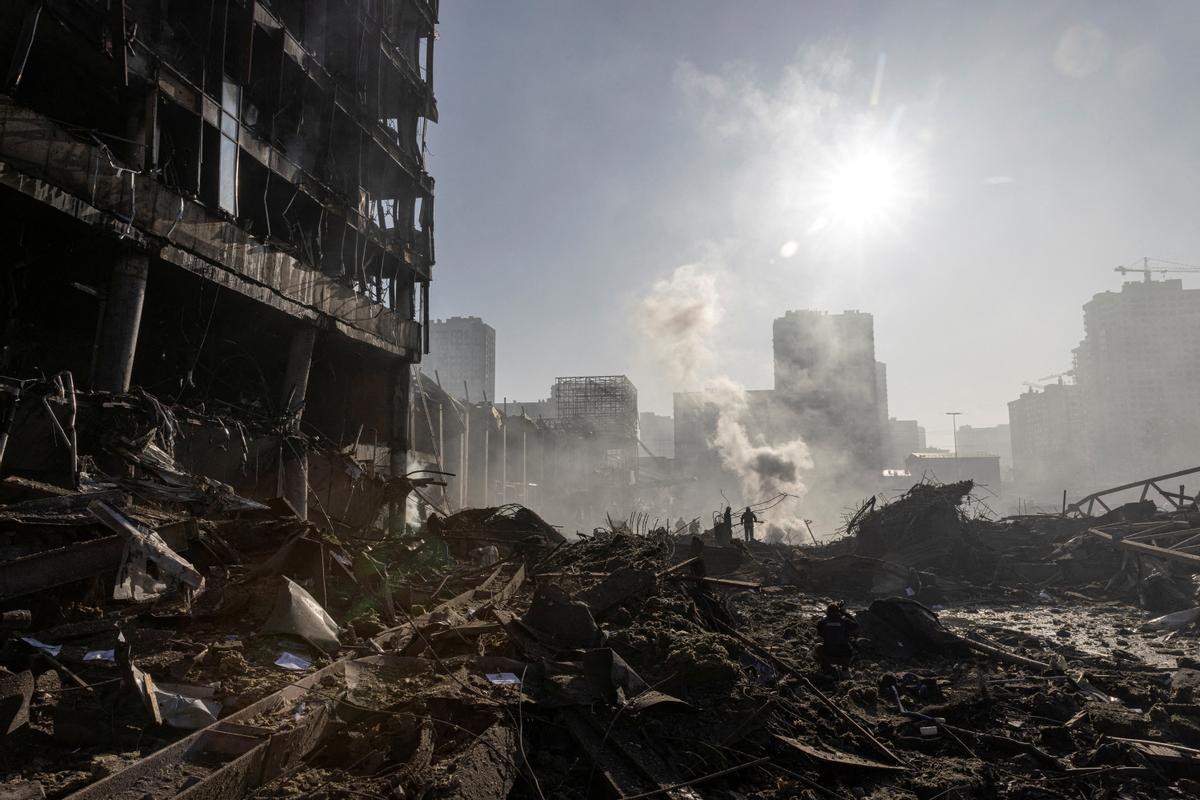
(168, 637)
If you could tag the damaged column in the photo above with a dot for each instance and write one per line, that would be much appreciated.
(294, 472)
(398, 442)
(122, 318)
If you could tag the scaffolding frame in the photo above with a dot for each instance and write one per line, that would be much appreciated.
(607, 402)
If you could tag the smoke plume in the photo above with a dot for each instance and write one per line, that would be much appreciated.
(679, 318)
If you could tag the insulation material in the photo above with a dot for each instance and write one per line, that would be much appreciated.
(186, 707)
(297, 613)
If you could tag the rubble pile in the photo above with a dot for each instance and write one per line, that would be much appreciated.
(509, 528)
(168, 633)
(934, 543)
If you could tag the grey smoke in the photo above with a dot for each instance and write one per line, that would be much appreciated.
(679, 319)
(771, 466)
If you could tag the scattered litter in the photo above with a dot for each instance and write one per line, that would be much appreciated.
(292, 661)
(628, 646)
(52, 649)
(503, 678)
(1173, 621)
(296, 612)
(186, 707)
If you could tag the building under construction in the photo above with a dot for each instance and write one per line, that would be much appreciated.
(604, 409)
(223, 202)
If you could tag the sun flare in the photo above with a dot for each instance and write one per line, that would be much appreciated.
(863, 190)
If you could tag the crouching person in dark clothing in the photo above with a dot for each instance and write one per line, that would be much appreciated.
(835, 650)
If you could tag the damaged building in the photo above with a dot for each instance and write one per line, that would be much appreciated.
(217, 257)
(574, 456)
(223, 202)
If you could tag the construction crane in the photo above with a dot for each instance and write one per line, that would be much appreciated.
(1146, 269)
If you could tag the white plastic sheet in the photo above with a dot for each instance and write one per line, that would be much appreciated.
(296, 612)
(292, 661)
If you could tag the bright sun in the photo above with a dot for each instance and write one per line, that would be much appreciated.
(863, 190)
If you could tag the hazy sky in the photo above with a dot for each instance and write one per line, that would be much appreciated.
(970, 173)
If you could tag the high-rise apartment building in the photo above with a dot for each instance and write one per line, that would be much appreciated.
(825, 370)
(905, 437)
(1138, 373)
(1049, 447)
(657, 432)
(462, 355)
(881, 407)
(830, 394)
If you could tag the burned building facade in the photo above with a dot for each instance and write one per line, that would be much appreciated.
(223, 202)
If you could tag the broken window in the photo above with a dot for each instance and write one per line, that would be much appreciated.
(342, 155)
(228, 158)
(342, 43)
(288, 118)
(292, 14)
(260, 104)
(179, 147)
(385, 213)
(314, 27)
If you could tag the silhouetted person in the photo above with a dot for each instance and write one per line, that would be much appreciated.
(835, 629)
(748, 520)
(729, 518)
